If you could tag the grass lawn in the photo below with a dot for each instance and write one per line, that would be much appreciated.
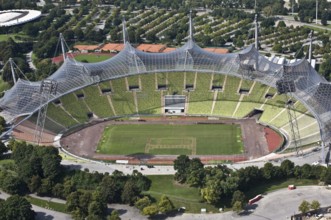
(92, 58)
(200, 139)
(6, 161)
(180, 195)
(279, 184)
(3, 85)
(4, 37)
(183, 195)
(59, 207)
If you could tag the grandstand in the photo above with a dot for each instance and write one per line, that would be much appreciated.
(135, 82)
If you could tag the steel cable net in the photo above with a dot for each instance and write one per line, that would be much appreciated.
(311, 89)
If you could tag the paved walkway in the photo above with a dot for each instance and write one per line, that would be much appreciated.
(102, 167)
(42, 213)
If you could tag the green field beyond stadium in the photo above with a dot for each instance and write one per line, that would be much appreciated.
(167, 139)
(92, 58)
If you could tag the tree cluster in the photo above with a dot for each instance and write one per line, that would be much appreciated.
(37, 169)
(305, 206)
(147, 206)
(11, 49)
(307, 11)
(219, 182)
(16, 207)
(8, 4)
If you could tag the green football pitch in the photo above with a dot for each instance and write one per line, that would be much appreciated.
(92, 58)
(167, 139)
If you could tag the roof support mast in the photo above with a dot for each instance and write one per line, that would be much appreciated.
(62, 47)
(191, 26)
(11, 62)
(310, 46)
(124, 31)
(256, 42)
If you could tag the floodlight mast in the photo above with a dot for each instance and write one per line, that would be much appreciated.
(316, 10)
(47, 88)
(293, 121)
(287, 87)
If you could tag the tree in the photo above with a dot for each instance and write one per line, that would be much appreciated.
(304, 207)
(150, 210)
(287, 167)
(238, 196)
(111, 188)
(268, 11)
(34, 183)
(130, 192)
(141, 181)
(268, 170)
(326, 177)
(237, 206)
(281, 24)
(248, 177)
(195, 173)
(2, 124)
(315, 205)
(13, 185)
(45, 188)
(165, 205)
(51, 166)
(16, 207)
(180, 165)
(324, 18)
(3, 148)
(114, 215)
(277, 48)
(97, 209)
(57, 191)
(142, 203)
(72, 201)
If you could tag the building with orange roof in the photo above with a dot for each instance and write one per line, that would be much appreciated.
(112, 47)
(217, 50)
(169, 49)
(152, 48)
(86, 48)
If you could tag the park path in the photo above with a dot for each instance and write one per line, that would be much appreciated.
(42, 213)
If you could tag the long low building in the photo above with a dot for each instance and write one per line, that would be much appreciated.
(150, 48)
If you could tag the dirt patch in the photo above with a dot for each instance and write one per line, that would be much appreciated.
(26, 131)
(274, 140)
(84, 142)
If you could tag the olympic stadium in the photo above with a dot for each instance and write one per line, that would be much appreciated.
(183, 83)
(18, 16)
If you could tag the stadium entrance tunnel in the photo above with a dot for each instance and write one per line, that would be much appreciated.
(174, 104)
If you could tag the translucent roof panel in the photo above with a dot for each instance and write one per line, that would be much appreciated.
(311, 89)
